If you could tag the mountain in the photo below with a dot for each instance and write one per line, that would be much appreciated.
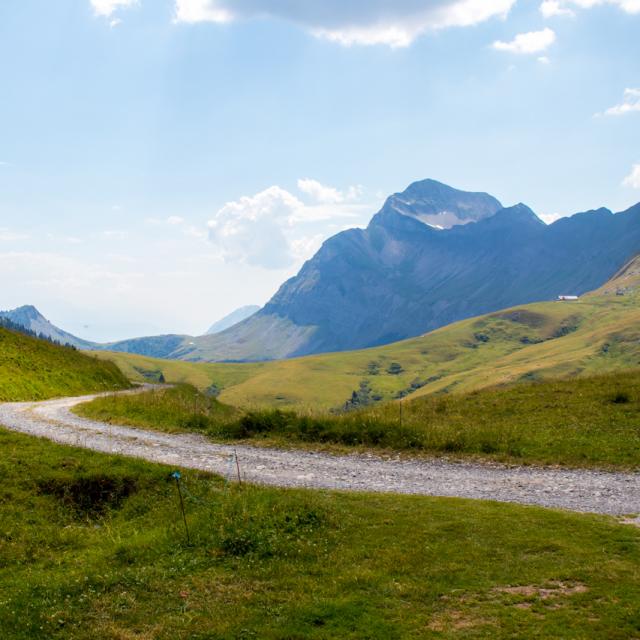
(596, 334)
(433, 255)
(233, 318)
(30, 318)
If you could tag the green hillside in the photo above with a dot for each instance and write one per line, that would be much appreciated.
(33, 369)
(93, 547)
(596, 334)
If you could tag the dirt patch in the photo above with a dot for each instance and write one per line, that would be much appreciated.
(550, 591)
(455, 621)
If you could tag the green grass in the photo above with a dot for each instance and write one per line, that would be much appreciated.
(32, 369)
(172, 409)
(599, 333)
(93, 547)
(586, 422)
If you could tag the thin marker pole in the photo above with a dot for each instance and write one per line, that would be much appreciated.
(176, 475)
(235, 453)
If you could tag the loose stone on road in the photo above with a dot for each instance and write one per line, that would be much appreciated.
(573, 489)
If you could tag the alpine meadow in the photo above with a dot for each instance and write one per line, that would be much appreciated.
(320, 320)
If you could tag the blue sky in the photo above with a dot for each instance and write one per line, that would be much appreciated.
(163, 162)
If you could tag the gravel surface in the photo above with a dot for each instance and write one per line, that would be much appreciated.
(575, 490)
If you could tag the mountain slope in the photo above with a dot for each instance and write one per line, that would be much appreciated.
(33, 369)
(30, 318)
(233, 318)
(432, 256)
(598, 333)
(401, 277)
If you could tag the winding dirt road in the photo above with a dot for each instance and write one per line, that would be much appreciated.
(575, 490)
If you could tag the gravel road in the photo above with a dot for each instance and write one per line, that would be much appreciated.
(575, 490)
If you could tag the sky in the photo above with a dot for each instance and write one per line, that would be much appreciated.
(163, 162)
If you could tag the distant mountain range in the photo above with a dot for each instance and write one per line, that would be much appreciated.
(233, 318)
(431, 256)
(32, 320)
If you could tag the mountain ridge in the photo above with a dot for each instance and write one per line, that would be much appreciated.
(403, 276)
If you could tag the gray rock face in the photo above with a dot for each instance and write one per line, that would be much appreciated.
(400, 277)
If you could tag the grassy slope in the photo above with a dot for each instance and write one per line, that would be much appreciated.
(591, 422)
(267, 563)
(599, 333)
(32, 369)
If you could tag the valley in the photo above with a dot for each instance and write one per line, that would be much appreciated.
(596, 334)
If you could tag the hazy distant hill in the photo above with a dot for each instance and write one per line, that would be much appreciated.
(30, 318)
(233, 318)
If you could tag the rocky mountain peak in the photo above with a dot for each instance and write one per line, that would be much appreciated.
(440, 206)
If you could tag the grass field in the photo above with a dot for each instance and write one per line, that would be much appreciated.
(597, 334)
(584, 422)
(32, 369)
(93, 547)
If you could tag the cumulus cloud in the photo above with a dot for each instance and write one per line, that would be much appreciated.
(107, 8)
(396, 23)
(252, 230)
(551, 8)
(274, 228)
(633, 179)
(320, 192)
(528, 43)
(630, 103)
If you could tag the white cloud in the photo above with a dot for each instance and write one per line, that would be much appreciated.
(633, 179)
(275, 229)
(252, 230)
(174, 220)
(551, 8)
(107, 8)
(544, 60)
(630, 103)
(528, 43)
(563, 7)
(320, 192)
(356, 22)
(550, 218)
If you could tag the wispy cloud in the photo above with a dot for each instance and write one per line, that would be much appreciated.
(633, 179)
(550, 8)
(356, 22)
(528, 43)
(7, 235)
(107, 8)
(630, 103)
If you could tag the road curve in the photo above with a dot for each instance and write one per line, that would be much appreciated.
(572, 489)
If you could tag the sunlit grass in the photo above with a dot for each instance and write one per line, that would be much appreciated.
(32, 369)
(94, 547)
(592, 422)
